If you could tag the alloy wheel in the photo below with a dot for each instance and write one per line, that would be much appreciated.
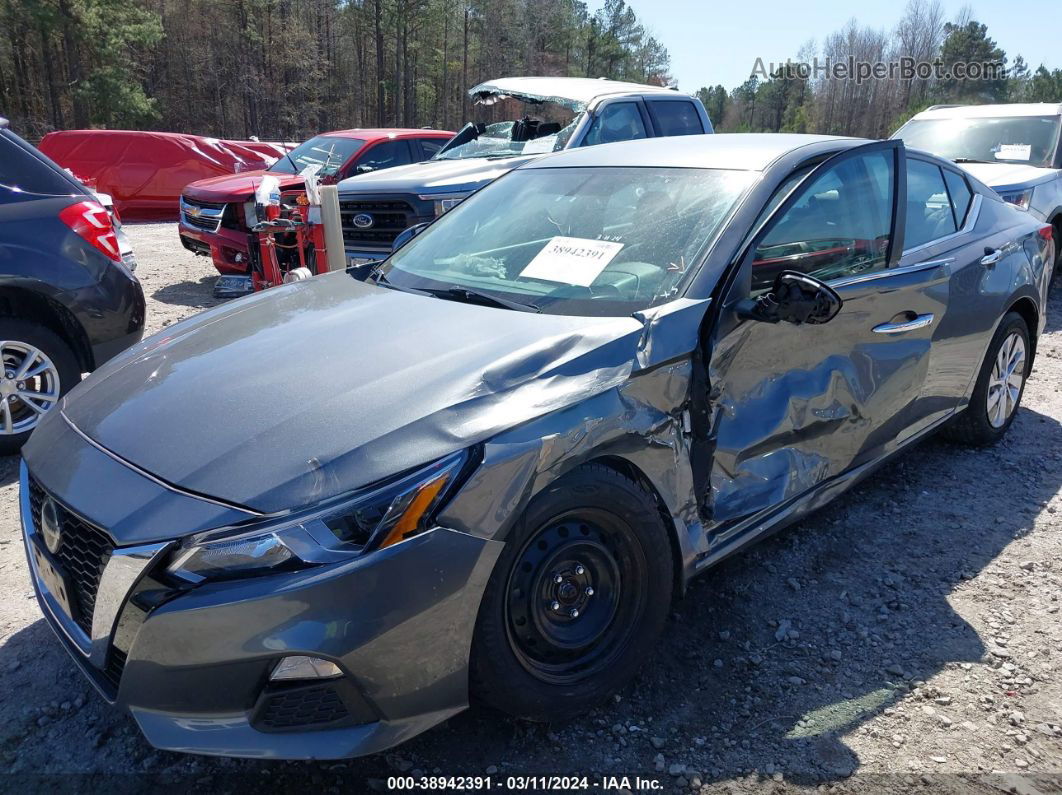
(1006, 379)
(29, 386)
(573, 597)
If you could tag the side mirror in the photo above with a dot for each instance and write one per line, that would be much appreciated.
(795, 298)
(408, 234)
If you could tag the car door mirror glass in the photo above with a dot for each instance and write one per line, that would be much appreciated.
(795, 298)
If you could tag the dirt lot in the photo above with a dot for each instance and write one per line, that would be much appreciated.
(906, 638)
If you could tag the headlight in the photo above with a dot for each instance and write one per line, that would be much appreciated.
(1019, 198)
(444, 203)
(370, 519)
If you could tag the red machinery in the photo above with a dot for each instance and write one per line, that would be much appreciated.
(291, 242)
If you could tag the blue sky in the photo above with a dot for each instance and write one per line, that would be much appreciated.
(718, 42)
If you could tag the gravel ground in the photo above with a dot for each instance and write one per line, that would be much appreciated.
(905, 638)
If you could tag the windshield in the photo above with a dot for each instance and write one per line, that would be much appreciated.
(575, 241)
(1030, 140)
(327, 151)
(532, 128)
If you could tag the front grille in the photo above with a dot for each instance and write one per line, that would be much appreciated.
(388, 219)
(300, 708)
(83, 553)
(210, 214)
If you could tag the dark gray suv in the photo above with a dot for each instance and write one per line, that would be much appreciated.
(68, 301)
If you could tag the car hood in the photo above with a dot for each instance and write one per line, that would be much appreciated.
(309, 390)
(1010, 176)
(236, 187)
(434, 176)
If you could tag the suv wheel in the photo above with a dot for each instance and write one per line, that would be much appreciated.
(38, 369)
(577, 598)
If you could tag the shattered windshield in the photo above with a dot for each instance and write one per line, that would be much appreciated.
(524, 128)
(1030, 140)
(574, 241)
(326, 151)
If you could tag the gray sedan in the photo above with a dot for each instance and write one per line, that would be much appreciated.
(312, 522)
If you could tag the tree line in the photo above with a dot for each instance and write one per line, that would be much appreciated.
(285, 69)
(793, 99)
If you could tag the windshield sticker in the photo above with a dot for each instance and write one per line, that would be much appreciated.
(572, 260)
(539, 145)
(1014, 152)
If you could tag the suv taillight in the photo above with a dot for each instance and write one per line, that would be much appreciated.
(90, 221)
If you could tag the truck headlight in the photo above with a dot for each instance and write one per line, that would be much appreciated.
(444, 203)
(367, 520)
(1019, 198)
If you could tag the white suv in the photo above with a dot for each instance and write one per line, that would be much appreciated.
(1014, 149)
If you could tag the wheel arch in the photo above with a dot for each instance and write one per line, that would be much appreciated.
(632, 471)
(1030, 313)
(26, 304)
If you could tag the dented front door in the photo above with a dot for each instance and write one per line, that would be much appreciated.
(792, 407)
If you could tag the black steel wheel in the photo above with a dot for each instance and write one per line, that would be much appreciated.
(576, 600)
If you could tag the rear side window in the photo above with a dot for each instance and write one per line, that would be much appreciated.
(674, 117)
(929, 214)
(620, 121)
(960, 194)
(21, 171)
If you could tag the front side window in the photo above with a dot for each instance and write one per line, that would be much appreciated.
(1031, 140)
(577, 241)
(929, 213)
(385, 155)
(327, 151)
(618, 121)
(839, 226)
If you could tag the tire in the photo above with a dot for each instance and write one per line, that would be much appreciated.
(981, 423)
(605, 538)
(53, 371)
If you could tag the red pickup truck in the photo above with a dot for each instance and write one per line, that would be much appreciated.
(217, 213)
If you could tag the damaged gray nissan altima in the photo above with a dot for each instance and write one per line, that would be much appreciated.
(311, 522)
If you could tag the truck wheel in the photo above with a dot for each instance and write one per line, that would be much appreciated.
(577, 599)
(1000, 385)
(38, 369)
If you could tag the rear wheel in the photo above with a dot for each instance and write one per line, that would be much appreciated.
(1000, 385)
(577, 598)
(38, 369)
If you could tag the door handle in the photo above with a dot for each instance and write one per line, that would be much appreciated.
(991, 257)
(918, 321)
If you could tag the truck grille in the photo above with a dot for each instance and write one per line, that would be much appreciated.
(388, 219)
(202, 215)
(83, 554)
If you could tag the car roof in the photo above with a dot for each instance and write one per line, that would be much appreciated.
(733, 151)
(569, 91)
(376, 133)
(991, 111)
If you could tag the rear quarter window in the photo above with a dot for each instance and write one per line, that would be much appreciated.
(961, 195)
(675, 117)
(23, 171)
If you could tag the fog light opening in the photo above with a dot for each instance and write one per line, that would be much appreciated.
(301, 667)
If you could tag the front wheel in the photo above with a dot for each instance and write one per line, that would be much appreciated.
(577, 598)
(1000, 385)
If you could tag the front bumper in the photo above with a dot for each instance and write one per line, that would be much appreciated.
(193, 666)
(228, 249)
